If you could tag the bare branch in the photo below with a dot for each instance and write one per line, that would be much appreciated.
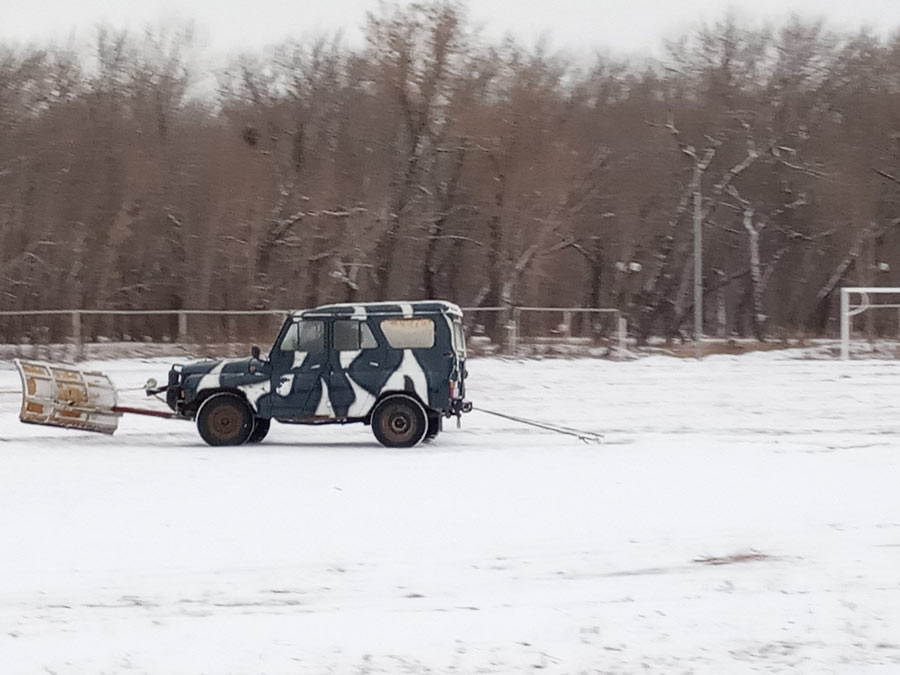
(885, 174)
(803, 169)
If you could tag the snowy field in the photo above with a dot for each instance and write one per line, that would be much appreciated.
(743, 516)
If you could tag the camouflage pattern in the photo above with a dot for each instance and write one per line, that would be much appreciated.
(322, 384)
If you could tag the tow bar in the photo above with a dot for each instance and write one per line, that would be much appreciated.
(583, 436)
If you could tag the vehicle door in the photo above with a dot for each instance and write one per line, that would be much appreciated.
(358, 364)
(458, 373)
(300, 370)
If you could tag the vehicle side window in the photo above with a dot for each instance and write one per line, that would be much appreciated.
(353, 336)
(346, 335)
(416, 333)
(459, 337)
(366, 337)
(304, 336)
(289, 341)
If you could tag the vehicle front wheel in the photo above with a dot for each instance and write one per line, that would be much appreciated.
(399, 422)
(225, 419)
(260, 430)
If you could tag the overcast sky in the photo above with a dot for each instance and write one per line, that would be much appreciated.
(629, 26)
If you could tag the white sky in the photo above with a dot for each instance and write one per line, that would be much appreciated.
(624, 26)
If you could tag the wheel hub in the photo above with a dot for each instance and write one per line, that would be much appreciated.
(400, 424)
(224, 422)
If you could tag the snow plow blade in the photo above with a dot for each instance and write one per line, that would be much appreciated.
(65, 396)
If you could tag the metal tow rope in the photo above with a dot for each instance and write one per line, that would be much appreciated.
(584, 436)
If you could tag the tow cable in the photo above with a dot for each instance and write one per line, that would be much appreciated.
(583, 436)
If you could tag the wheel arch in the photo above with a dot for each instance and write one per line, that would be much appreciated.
(385, 395)
(205, 395)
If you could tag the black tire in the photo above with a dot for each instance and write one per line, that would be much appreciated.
(399, 422)
(435, 426)
(225, 419)
(260, 430)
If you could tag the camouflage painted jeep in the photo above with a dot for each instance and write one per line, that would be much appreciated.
(399, 367)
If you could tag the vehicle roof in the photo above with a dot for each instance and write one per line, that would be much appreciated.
(408, 308)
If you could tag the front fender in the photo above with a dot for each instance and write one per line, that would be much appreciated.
(252, 386)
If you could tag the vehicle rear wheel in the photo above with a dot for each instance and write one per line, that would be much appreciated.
(399, 422)
(260, 430)
(225, 419)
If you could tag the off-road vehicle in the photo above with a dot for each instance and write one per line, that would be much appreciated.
(397, 366)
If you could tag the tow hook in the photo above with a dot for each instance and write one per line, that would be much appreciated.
(460, 407)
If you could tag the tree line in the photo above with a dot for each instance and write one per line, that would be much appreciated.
(429, 162)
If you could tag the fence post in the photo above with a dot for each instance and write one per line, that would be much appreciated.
(77, 336)
(567, 324)
(513, 328)
(231, 322)
(182, 327)
(622, 333)
(845, 324)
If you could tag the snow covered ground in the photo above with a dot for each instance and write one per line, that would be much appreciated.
(743, 516)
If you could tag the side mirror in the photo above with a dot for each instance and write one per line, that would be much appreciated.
(254, 352)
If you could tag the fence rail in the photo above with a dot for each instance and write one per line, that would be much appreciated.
(510, 327)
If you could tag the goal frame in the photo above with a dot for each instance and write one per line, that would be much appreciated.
(848, 311)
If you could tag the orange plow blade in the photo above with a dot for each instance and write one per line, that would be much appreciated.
(65, 396)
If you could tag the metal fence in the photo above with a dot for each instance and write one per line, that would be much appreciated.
(77, 333)
(534, 331)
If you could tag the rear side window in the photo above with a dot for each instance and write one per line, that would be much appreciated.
(353, 336)
(415, 333)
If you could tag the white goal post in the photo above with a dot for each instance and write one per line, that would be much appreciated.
(848, 310)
